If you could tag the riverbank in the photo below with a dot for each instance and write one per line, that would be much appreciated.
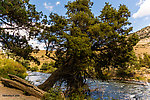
(7, 93)
(99, 89)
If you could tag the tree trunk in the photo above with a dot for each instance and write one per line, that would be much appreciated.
(66, 73)
(55, 76)
(23, 85)
(24, 82)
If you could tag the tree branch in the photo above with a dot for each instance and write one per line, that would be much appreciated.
(48, 55)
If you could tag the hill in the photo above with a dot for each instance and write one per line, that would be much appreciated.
(143, 46)
(144, 32)
(41, 57)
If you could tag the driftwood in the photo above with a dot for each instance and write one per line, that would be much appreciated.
(23, 85)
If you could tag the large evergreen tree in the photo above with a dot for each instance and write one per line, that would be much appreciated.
(79, 39)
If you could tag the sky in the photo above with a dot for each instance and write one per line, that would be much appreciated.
(140, 9)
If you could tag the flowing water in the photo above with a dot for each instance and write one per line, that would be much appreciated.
(106, 90)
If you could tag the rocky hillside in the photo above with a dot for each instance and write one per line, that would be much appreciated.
(143, 46)
(144, 32)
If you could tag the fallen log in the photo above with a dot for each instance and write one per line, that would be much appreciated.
(24, 82)
(23, 85)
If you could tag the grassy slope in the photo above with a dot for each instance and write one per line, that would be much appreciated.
(143, 46)
(41, 57)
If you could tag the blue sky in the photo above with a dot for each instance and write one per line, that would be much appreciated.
(140, 9)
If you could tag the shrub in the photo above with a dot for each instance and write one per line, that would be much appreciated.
(125, 73)
(34, 69)
(57, 94)
(8, 66)
(145, 61)
(53, 94)
(44, 67)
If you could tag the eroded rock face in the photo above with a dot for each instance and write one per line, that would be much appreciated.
(143, 46)
(144, 41)
(144, 33)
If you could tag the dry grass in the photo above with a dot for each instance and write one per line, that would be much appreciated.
(41, 57)
(143, 46)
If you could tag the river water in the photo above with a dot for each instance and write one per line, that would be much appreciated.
(105, 90)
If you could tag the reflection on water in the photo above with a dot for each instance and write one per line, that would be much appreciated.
(104, 90)
(118, 90)
(37, 78)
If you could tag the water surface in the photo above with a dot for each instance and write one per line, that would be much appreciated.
(106, 90)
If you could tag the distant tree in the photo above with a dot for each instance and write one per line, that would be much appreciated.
(81, 40)
(145, 61)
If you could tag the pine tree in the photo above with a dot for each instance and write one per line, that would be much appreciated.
(81, 40)
(17, 15)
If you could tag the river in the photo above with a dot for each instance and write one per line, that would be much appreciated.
(106, 90)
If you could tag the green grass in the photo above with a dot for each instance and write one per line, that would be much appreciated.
(9, 66)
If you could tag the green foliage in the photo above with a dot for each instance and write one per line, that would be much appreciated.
(125, 73)
(34, 69)
(53, 94)
(77, 96)
(80, 39)
(16, 16)
(8, 55)
(57, 94)
(82, 94)
(25, 63)
(127, 70)
(8, 66)
(48, 67)
(131, 68)
(145, 61)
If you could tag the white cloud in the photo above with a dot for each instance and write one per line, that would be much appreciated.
(23, 32)
(57, 3)
(144, 9)
(146, 18)
(140, 2)
(34, 43)
(48, 6)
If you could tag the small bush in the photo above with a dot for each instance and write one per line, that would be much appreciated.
(125, 73)
(57, 94)
(8, 66)
(146, 60)
(53, 94)
(34, 69)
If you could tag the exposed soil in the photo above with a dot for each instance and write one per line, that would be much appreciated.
(13, 94)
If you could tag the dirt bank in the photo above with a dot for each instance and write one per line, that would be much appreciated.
(13, 94)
